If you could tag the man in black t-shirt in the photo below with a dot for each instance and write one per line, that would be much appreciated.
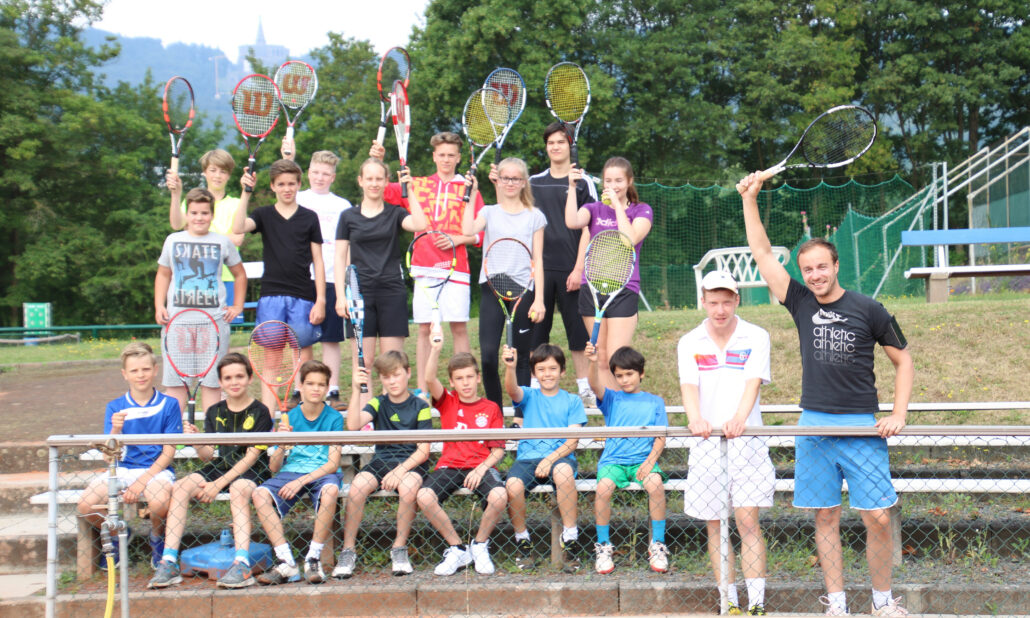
(838, 332)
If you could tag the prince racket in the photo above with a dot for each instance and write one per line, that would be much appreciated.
(607, 266)
(567, 94)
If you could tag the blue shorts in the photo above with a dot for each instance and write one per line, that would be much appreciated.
(292, 310)
(824, 461)
(525, 471)
(313, 489)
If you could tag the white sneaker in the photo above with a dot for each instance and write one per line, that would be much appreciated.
(481, 555)
(345, 565)
(603, 562)
(658, 557)
(588, 397)
(892, 608)
(454, 558)
(401, 563)
(831, 609)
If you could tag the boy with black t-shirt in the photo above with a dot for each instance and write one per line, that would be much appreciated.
(839, 331)
(238, 468)
(394, 467)
(464, 464)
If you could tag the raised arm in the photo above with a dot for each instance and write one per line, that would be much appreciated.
(357, 417)
(509, 356)
(174, 184)
(575, 217)
(761, 249)
(241, 223)
(433, 383)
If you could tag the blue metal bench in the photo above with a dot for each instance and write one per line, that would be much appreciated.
(937, 276)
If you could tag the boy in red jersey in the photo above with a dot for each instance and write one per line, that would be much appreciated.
(463, 464)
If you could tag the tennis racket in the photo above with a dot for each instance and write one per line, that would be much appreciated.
(256, 112)
(275, 356)
(508, 265)
(608, 265)
(567, 93)
(395, 66)
(178, 109)
(401, 125)
(486, 115)
(356, 309)
(297, 85)
(432, 277)
(191, 348)
(513, 87)
(835, 138)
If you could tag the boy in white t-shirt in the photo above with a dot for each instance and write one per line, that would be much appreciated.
(722, 364)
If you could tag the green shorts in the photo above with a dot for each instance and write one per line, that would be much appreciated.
(623, 475)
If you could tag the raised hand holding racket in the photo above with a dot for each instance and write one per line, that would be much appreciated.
(356, 312)
(431, 260)
(191, 349)
(509, 83)
(395, 66)
(567, 94)
(837, 137)
(297, 84)
(608, 266)
(275, 356)
(256, 112)
(178, 109)
(487, 113)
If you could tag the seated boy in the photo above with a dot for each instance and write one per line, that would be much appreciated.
(625, 460)
(394, 467)
(238, 468)
(310, 469)
(537, 460)
(463, 464)
(146, 470)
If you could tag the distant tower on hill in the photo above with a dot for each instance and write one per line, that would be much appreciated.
(269, 55)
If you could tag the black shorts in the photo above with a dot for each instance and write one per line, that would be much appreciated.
(556, 294)
(386, 312)
(379, 468)
(624, 305)
(446, 481)
(258, 473)
(334, 328)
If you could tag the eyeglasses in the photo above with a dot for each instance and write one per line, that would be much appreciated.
(509, 180)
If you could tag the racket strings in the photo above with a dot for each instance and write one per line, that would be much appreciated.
(274, 352)
(479, 127)
(190, 346)
(609, 261)
(839, 136)
(254, 105)
(395, 66)
(178, 104)
(297, 84)
(567, 89)
(508, 266)
(511, 86)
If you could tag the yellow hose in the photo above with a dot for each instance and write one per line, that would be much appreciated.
(110, 586)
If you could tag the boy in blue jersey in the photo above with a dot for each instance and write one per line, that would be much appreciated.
(627, 460)
(310, 469)
(145, 470)
(536, 461)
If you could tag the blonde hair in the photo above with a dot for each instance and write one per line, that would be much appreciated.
(526, 194)
(373, 160)
(219, 158)
(138, 349)
(326, 157)
(445, 137)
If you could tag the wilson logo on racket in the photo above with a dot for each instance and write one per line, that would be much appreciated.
(257, 103)
(295, 84)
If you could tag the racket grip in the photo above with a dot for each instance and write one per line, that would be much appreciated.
(289, 136)
(382, 134)
(595, 332)
(468, 189)
(251, 164)
(175, 165)
(574, 154)
(361, 363)
(497, 155)
(769, 173)
(509, 337)
(191, 412)
(404, 189)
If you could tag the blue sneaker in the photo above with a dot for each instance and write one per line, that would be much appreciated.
(157, 550)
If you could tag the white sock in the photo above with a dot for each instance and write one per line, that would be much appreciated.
(522, 536)
(315, 551)
(569, 534)
(583, 384)
(837, 599)
(730, 594)
(283, 553)
(755, 591)
(881, 598)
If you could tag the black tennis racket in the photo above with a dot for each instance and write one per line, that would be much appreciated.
(431, 268)
(356, 309)
(513, 87)
(178, 109)
(837, 137)
(508, 265)
(255, 109)
(607, 266)
(297, 83)
(567, 93)
(394, 66)
(191, 348)
(487, 113)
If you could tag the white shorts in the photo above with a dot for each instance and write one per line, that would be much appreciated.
(454, 302)
(128, 476)
(171, 379)
(752, 477)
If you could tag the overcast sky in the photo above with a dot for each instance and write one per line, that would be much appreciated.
(300, 25)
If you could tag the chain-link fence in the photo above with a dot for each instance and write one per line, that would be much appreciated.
(941, 520)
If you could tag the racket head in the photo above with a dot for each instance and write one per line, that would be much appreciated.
(609, 260)
(567, 92)
(838, 136)
(255, 106)
(426, 261)
(297, 83)
(191, 343)
(509, 83)
(177, 105)
(508, 266)
(275, 355)
(484, 117)
(394, 66)
(355, 301)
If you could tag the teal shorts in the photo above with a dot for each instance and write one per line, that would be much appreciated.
(622, 475)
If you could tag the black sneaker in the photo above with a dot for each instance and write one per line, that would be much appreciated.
(524, 555)
(571, 552)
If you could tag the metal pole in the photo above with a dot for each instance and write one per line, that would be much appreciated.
(51, 536)
(724, 527)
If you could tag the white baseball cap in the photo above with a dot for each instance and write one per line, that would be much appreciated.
(719, 280)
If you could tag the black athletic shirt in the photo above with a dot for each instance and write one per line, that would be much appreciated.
(549, 195)
(838, 341)
(287, 251)
(220, 419)
(373, 246)
(414, 413)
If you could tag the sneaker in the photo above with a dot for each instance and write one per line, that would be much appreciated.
(480, 553)
(589, 398)
(603, 562)
(401, 564)
(313, 571)
(279, 574)
(756, 610)
(157, 550)
(658, 557)
(524, 555)
(238, 576)
(832, 610)
(571, 552)
(732, 609)
(454, 558)
(167, 575)
(345, 565)
(892, 608)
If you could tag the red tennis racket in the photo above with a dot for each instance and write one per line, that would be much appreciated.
(275, 356)
(178, 109)
(191, 348)
(255, 109)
